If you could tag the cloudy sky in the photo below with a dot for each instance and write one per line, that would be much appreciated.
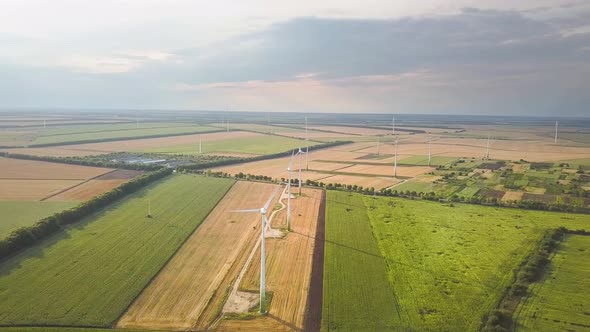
(430, 56)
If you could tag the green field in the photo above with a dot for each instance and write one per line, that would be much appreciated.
(16, 214)
(89, 274)
(448, 265)
(357, 295)
(417, 186)
(423, 160)
(560, 301)
(255, 145)
(65, 329)
(113, 131)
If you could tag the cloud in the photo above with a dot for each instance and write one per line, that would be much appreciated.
(472, 61)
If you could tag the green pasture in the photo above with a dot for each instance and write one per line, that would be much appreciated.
(16, 214)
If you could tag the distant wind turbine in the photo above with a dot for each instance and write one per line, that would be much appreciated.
(556, 129)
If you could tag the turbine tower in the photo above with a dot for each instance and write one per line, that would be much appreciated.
(306, 146)
(300, 153)
(378, 144)
(556, 128)
(265, 224)
(200, 145)
(395, 160)
(289, 170)
(393, 126)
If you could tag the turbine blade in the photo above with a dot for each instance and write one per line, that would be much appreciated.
(270, 199)
(267, 225)
(246, 210)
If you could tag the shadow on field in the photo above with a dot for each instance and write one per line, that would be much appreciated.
(291, 326)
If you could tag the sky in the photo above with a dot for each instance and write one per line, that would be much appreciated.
(526, 57)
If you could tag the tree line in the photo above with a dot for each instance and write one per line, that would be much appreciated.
(28, 236)
(83, 162)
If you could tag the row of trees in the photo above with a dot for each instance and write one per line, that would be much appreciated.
(25, 237)
(83, 161)
(533, 269)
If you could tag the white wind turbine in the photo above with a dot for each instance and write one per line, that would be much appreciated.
(265, 225)
(395, 160)
(289, 170)
(488, 148)
(306, 146)
(300, 153)
(556, 128)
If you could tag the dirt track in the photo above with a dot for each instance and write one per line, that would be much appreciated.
(179, 295)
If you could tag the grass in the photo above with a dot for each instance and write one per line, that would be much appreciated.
(357, 295)
(89, 274)
(16, 214)
(423, 160)
(560, 301)
(101, 132)
(256, 145)
(447, 265)
(417, 186)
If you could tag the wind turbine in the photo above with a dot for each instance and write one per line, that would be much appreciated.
(488, 148)
(378, 144)
(265, 224)
(556, 128)
(306, 146)
(200, 145)
(300, 153)
(395, 160)
(393, 126)
(289, 170)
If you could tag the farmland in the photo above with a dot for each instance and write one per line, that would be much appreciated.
(433, 256)
(559, 301)
(289, 268)
(93, 132)
(17, 214)
(357, 293)
(89, 274)
(258, 144)
(180, 293)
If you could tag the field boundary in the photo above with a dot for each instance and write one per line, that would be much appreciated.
(116, 321)
(313, 314)
(74, 186)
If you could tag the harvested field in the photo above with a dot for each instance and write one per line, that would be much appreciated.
(289, 265)
(32, 190)
(177, 297)
(131, 145)
(512, 196)
(491, 193)
(41, 170)
(352, 130)
(96, 186)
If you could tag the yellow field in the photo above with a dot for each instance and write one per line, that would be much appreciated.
(178, 296)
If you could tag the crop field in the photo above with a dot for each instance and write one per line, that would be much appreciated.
(357, 294)
(289, 264)
(78, 133)
(90, 273)
(560, 301)
(132, 145)
(16, 214)
(28, 180)
(177, 297)
(423, 160)
(257, 144)
(446, 266)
